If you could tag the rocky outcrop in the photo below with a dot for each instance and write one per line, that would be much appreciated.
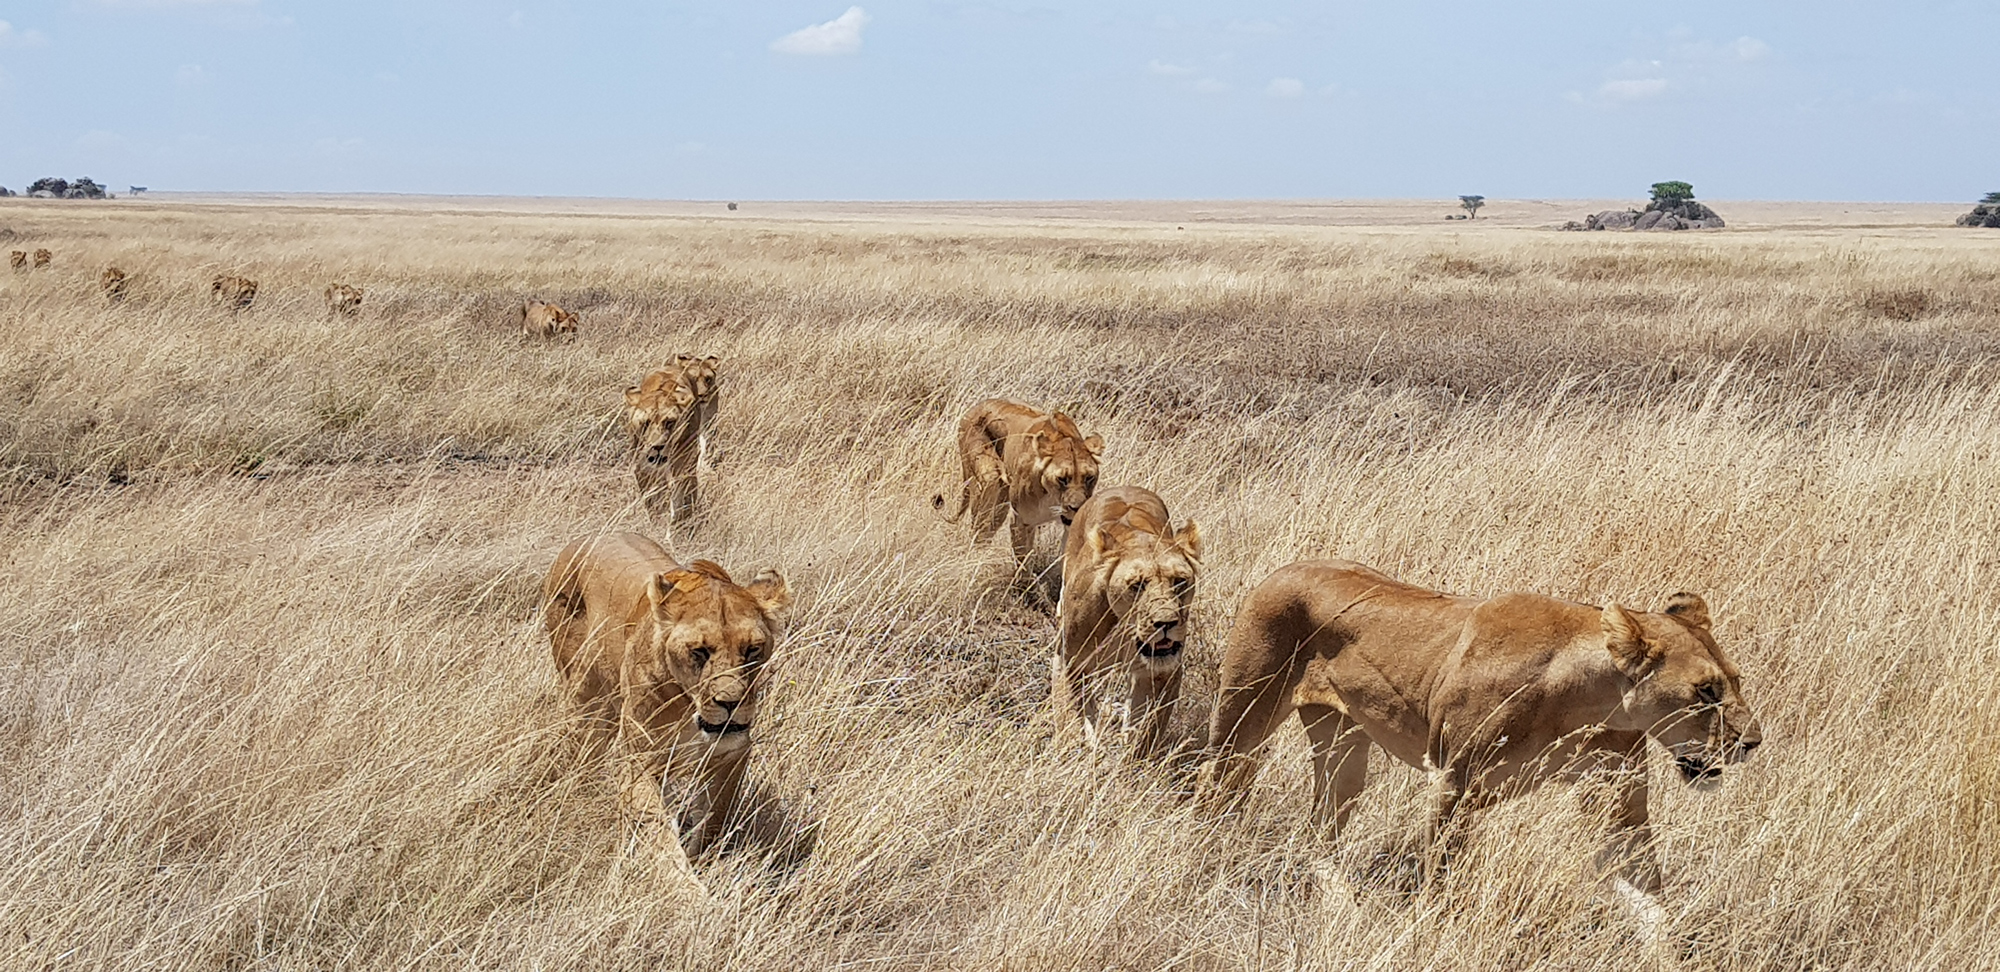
(1658, 215)
(1984, 214)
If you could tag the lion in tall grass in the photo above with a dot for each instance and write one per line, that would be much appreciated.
(1496, 696)
(543, 320)
(1128, 580)
(662, 664)
(662, 421)
(112, 282)
(18, 260)
(42, 258)
(342, 300)
(1018, 460)
(232, 291)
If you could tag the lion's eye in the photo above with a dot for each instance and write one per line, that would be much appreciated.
(1090, 482)
(1062, 481)
(1709, 694)
(751, 654)
(700, 656)
(1182, 585)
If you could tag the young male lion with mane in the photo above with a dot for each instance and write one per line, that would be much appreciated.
(1496, 696)
(1018, 459)
(662, 664)
(1128, 578)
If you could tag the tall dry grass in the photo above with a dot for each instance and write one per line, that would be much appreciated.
(275, 695)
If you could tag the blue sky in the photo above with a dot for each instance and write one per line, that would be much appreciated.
(903, 99)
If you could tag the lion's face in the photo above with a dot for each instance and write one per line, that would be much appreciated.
(343, 299)
(698, 374)
(1066, 463)
(1150, 583)
(1684, 692)
(655, 411)
(714, 637)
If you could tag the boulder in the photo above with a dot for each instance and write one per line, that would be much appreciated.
(1984, 214)
(1612, 219)
(1649, 219)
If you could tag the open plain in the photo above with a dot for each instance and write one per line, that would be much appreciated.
(274, 693)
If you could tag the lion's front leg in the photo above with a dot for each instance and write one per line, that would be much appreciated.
(713, 799)
(644, 809)
(1631, 871)
(1150, 706)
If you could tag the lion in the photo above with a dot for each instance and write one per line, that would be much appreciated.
(1017, 459)
(342, 300)
(1495, 696)
(18, 260)
(112, 282)
(699, 376)
(545, 320)
(662, 664)
(42, 258)
(1128, 578)
(662, 417)
(237, 292)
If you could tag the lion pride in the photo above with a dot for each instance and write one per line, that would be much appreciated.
(1020, 460)
(112, 282)
(662, 421)
(545, 320)
(342, 300)
(1496, 696)
(236, 292)
(1128, 578)
(662, 664)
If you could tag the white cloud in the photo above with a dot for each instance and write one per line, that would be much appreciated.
(10, 37)
(1742, 49)
(1168, 70)
(1285, 88)
(841, 35)
(1633, 89)
(1749, 48)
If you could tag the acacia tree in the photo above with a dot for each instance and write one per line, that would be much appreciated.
(1471, 205)
(1668, 193)
(1992, 199)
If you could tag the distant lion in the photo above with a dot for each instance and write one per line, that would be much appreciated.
(1020, 460)
(545, 320)
(342, 300)
(112, 282)
(236, 292)
(663, 664)
(1128, 579)
(662, 422)
(42, 258)
(1497, 696)
(18, 260)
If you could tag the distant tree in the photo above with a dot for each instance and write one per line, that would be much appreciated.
(1992, 199)
(1471, 205)
(1668, 193)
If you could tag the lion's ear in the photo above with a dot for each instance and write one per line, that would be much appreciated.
(1095, 443)
(712, 361)
(771, 592)
(1189, 540)
(681, 360)
(633, 395)
(1627, 643)
(1099, 542)
(1690, 608)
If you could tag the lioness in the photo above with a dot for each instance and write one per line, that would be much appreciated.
(662, 663)
(42, 258)
(1497, 696)
(237, 292)
(18, 260)
(662, 418)
(342, 300)
(1128, 578)
(112, 282)
(545, 320)
(1021, 460)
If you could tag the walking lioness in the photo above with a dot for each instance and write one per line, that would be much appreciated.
(662, 417)
(1497, 696)
(1019, 459)
(662, 664)
(1128, 578)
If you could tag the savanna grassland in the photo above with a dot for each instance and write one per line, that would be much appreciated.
(274, 692)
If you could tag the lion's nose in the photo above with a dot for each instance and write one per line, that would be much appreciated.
(729, 705)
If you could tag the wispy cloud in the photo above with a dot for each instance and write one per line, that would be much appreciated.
(1285, 88)
(841, 35)
(1742, 49)
(190, 76)
(1633, 89)
(12, 37)
(1166, 69)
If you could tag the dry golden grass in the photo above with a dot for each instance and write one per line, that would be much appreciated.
(275, 695)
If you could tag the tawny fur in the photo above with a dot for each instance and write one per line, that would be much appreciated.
(42, 258)
(112, 282)
(1022, 466)
(1128, 579)
(662, 666)
(342, 300)
(662, 421)
(237, 293)
(542, 320)
(1497, 696)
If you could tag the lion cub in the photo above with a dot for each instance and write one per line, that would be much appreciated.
(1128, 578)
(236, 292)
(662, 664)
(342, 300)
(1496, 696)
(1020, 460)
(540, 320)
